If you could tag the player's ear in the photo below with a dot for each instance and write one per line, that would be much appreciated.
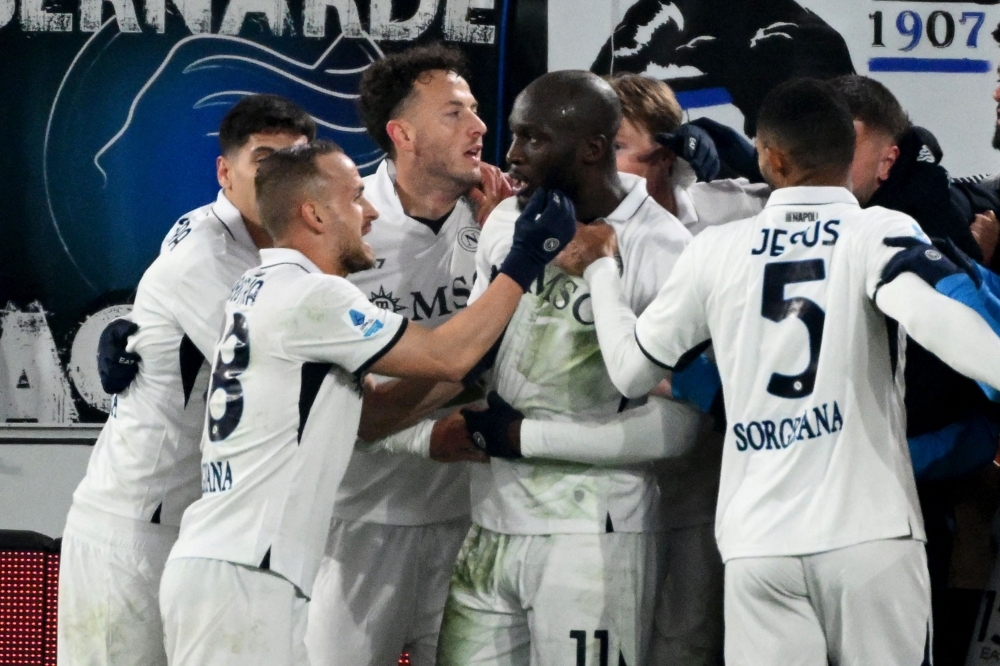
(595, 149)
(402, 134)
(222, 172)
(310, 214)
(889, 157)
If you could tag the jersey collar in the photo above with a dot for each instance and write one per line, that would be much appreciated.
(387, 197)
(637, 194)
(272, 256)
(232, 220)
(808, 195)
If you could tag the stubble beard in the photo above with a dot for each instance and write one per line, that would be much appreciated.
(357, 260)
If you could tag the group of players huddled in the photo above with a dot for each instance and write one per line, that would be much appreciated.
(604, 408)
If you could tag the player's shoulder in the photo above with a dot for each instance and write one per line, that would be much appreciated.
(652, 228)
(729, 199)
(878, 222)
(500, 223)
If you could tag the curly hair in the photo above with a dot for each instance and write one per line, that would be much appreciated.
(388, 83)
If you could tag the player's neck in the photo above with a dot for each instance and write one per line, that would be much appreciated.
(425, 195)
(260, 238)
(812, 179)
(598, 198)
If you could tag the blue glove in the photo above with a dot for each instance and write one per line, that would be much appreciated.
(489, 429)
(116, 366)
(693, 145)
(546, 225)
(734, 150)
(698, 383)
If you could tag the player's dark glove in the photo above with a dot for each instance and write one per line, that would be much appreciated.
(489, 429)
(546, 225)
(734, 150)
(116, 366)
(693, 145)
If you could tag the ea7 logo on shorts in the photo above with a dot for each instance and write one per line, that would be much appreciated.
(468, 238)
(366, 326)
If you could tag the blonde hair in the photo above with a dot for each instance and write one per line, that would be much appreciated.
(647, 103)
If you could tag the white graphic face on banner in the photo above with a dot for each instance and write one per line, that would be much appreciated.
(721, 56)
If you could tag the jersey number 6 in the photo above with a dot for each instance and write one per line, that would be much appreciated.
(225, 402)
(776, 307)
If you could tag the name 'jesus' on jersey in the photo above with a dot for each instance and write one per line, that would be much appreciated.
(815, 453)
(145, 465)
(283, 414)
(550, 367)
(426, 277)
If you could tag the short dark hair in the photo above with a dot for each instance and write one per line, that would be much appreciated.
(388, 83)
(811, 121)
(873, 104)
(262, 113)
(281, 178)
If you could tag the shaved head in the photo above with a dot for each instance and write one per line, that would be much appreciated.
(564, 125)
(576, 102)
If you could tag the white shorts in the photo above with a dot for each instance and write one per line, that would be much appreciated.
(109, 583)
(687, 625)
(217, 613)
(381, 590)
(559, 599)
(856, 606)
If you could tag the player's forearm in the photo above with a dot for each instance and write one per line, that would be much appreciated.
(950, 330)
(659, 429)
(458, 344)
(415, 440)
(630, 370)
(394, 405)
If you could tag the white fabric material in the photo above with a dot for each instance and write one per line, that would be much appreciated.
(830, 467)
(414, 441)
(865, 604)
(426, 277)
(271, 471)
(225, 614)
(380, 591)
(687, 624)
(514, 601)
(703, 205)
(550, 368)
(908, 299)
(146, 461)
(661, 428)
(109, 588)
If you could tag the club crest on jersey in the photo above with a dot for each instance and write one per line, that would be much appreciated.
(366, 326)
(468, 238)
(384, 300)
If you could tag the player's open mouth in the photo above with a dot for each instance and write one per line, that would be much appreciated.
(475, 152)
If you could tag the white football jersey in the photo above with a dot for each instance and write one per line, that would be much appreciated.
(425, 277)
(815, 454)
(146, 464)
(283, 411)
(550, 367)
(689, 485)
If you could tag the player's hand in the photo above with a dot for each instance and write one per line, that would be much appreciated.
(545, 226)
(693, 145)
(497, 429)
(986, 230)
(494, 187)
(592, 242)
(116, 366)
(450, 441)
(734, 149)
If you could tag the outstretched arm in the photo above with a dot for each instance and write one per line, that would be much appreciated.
(952, 331)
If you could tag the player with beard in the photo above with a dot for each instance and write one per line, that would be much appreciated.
(399, 520)
(560, 562)
(144, 471)
(285, 403)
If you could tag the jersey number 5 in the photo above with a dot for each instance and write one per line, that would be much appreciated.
(776, 307)
(225, 403)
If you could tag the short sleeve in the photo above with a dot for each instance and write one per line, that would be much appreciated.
(674, 327)
(883, 238)
(333, 322)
